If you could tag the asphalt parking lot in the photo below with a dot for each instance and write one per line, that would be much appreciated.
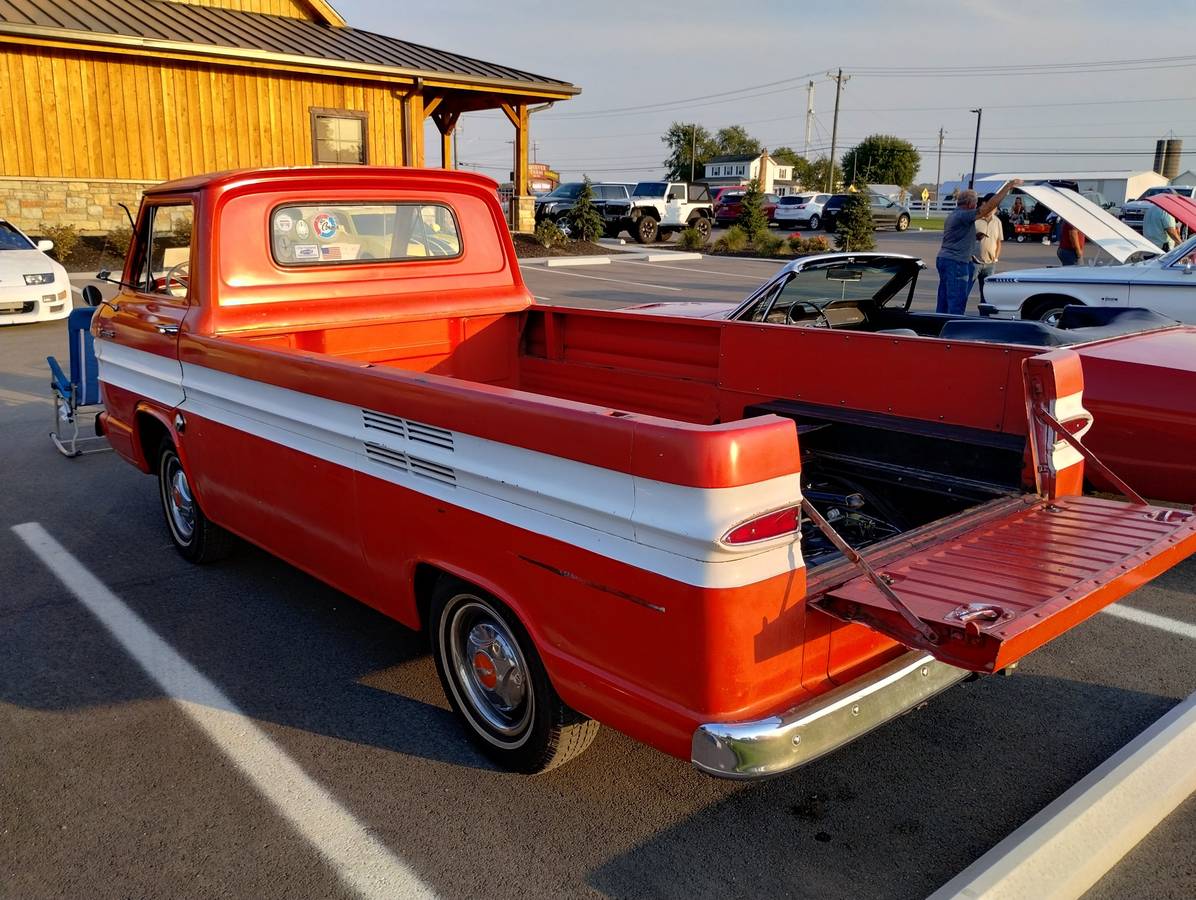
(110, 787)
(730, 279)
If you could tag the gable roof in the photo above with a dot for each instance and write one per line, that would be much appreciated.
(155, 25)
(732, 158)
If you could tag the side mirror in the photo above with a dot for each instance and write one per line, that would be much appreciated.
(92, 296)
(45, 246)
(1188, 267)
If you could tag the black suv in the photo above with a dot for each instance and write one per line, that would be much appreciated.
(885, 213)
(554, 205)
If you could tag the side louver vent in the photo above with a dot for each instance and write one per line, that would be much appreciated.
(404, 462)
(405, 428)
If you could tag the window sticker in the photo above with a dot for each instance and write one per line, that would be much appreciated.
(301, 230)
(325, 225)
(306, 251)
(283, 223)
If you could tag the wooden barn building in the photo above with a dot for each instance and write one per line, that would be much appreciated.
(100, 99)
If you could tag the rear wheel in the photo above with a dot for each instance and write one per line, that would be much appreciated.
(702, 226)
(814, 222)
(646, 229)
(497, 685)
(1047, 309)
(902, 222)
(198, 539)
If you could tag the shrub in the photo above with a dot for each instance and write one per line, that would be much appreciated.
(751, 211)
(585, 222)
(768, 245)
(734, 239)
(856, 230)
(808, 246)
(65, 239)
(118, 240)
(692, 239)
(548, 234)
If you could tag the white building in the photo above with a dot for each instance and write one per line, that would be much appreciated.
(1187, 178)
(739, 169)
(1115, 185)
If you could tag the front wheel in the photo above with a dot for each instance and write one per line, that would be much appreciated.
(646, 229)
(814, 222)
(497, 685)
(195, 536)
(902, 222)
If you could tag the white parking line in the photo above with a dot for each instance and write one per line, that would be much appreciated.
(659, 287)
(1142, 617)
(362, 862)
(635, 262)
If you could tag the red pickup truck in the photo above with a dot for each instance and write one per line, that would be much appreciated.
(597, 516)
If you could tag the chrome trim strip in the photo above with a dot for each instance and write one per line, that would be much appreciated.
(743, 750)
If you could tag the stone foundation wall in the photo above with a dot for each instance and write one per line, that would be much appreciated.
(36, 203)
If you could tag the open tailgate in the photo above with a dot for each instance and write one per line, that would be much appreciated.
(988, 587)
(1179, 206)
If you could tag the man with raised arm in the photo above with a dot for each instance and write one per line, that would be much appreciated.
(954, 262)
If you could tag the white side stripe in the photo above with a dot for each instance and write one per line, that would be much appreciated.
(665, 528)
(362, 862)
(1163, 623)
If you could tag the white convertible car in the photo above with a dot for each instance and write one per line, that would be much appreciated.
(33, 288)
(1144, 276)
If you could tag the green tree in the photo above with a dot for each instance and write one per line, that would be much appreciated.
(734, 140)
(585, 222)
(855, 229)
(882, 159)
(681, 139)
(787, 156)
(751, 211)
(813, 175)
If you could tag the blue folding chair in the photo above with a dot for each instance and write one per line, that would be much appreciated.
(80, 390)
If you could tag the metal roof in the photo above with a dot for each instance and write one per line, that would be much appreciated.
(157, 24)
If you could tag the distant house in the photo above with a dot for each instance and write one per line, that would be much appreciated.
(1186, 178)
(733, 170)
(100, 99)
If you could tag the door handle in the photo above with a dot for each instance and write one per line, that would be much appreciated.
(167, 329)
(105, 332)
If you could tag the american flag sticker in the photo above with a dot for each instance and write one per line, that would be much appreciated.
(330, 252)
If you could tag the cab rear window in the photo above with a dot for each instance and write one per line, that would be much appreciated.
(331, 233)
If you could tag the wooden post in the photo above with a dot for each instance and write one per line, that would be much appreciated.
(446, 123)
(522, 204)
(416, 142)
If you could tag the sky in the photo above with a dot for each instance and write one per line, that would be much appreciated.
(900, 57)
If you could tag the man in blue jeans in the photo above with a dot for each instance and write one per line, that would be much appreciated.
(954, 261)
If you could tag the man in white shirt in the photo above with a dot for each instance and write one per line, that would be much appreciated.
(990, 233)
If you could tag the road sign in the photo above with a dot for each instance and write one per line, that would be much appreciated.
(925, 195)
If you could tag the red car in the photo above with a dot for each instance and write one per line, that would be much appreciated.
(728, 203)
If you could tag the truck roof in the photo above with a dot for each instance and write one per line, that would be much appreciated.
(303, 174)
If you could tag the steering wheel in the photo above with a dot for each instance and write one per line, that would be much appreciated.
(180, 272)
(823, 321)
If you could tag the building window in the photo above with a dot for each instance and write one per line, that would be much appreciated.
(338, 137)
(740, 172)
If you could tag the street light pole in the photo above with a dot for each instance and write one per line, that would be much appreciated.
(975, 147)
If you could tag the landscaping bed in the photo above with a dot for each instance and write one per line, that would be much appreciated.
(89, 254)
(527, 247)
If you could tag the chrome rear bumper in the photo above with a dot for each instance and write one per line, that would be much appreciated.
(779, 743)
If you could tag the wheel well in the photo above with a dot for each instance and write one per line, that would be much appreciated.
(424, 585)
(150, 432)
(1033, 306)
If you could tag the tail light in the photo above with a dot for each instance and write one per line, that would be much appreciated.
(774, 524)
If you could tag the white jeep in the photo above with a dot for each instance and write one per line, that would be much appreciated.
(658, 209)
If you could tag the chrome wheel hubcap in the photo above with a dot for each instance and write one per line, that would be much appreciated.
(180, 505)
(490, 668)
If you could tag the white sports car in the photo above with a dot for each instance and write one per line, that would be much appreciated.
(1145, 276)
(33, 288)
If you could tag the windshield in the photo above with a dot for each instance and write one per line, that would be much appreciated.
(878, 280)
(11, 239)
(1184, 250)
(651, 189)
(1156, 190)
(565, 192)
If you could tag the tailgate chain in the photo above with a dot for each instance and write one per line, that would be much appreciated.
(881, 583)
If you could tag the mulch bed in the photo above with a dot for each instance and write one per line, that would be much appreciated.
(91, 254)
(526, 247)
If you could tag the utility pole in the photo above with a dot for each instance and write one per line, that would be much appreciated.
(975, 147)
(809, 118)
(830, 170)
(457, 146)
(938, 175)
(693, 149)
